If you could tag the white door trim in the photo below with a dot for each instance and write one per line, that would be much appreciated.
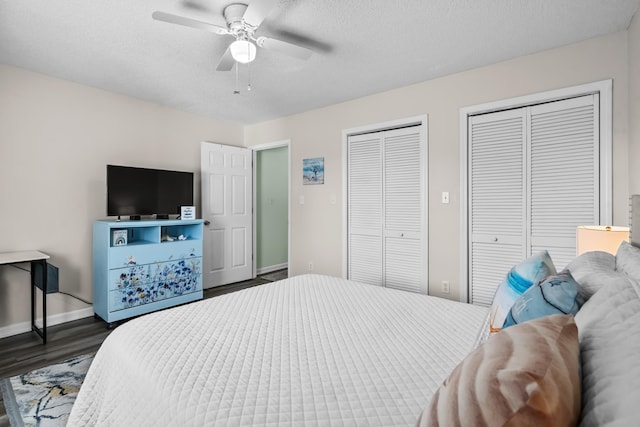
(604, 88)
(255, 149)
(409, 121)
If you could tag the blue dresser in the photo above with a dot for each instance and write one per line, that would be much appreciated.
(143, 266)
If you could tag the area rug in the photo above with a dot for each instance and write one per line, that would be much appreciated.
(44, 397)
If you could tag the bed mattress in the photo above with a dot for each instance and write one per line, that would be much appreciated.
(309, 350)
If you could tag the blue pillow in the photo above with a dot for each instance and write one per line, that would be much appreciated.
(520, 278)
(559, 294)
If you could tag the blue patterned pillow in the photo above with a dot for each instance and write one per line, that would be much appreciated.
(559, 294)
(520, 278)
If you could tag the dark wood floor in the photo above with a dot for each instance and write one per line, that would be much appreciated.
(25, 352)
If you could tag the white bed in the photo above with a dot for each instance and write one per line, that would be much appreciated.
(317, 350)
(309, 350)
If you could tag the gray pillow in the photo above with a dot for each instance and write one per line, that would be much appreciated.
(628, 260)
(609, 327)
(593, 270)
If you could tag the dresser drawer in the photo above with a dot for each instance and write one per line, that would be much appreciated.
(179, 274)
(124, 256)
(153, 291)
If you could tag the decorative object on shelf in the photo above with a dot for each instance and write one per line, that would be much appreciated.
(600, 238)
(187, 212)
(313, 171)
(119, 237)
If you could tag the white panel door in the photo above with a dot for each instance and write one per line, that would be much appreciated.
(227, 197)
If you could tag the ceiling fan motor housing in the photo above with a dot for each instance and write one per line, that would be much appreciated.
(233, 15)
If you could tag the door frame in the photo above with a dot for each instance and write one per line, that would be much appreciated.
(255, 149)
(604, 88)
(421, 120)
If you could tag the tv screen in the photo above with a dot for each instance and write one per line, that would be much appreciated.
(139, 191)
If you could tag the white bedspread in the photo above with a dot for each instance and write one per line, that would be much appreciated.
(310, 350)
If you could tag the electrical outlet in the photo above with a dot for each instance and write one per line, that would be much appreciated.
(310, 265)
(445, 286)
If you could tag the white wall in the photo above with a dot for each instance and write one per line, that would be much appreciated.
(317, 225)
(55, 139)
(634, 104)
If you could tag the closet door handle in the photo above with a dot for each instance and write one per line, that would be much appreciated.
(495, 239)
(207, 222)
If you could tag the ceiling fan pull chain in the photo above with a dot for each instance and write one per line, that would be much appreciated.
(237, 89)
(249, 77)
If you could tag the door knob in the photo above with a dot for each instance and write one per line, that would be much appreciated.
(207, 222)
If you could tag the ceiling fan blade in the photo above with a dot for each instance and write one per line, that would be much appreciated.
(188, 22)
(226, 62)
(289, 49)
(257, 11)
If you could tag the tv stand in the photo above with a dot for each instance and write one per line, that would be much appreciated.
(149, 273)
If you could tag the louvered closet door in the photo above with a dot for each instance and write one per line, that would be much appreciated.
(403, 208)
(534, 176)
(497, 191)
(386, 208)
(564, 184)
(364, 159)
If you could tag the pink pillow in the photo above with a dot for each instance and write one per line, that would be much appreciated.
(527, 374)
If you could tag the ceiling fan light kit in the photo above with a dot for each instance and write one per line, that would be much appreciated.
(243, 51)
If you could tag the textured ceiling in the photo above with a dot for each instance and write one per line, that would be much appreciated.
(361, 46)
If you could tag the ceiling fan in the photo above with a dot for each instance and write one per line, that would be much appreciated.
(242, 23)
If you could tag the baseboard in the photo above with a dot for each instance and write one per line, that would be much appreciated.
(56, 319)
(269, 269)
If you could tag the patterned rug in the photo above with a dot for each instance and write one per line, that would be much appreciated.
(44, 397)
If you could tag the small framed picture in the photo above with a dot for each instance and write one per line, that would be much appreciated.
(187, 212)
(313, 171)
(119, 237)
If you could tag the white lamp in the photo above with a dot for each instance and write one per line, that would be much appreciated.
(600, 238)
(243, 51)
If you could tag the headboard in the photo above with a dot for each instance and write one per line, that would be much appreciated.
(634, 220)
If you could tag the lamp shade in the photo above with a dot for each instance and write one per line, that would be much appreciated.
(243, 51)
(600, 238)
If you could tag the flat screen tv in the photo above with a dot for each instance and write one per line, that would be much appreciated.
(136, 191)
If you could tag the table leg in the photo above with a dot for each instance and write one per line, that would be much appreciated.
(42, 332)
(44, 300)
(33, 297)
